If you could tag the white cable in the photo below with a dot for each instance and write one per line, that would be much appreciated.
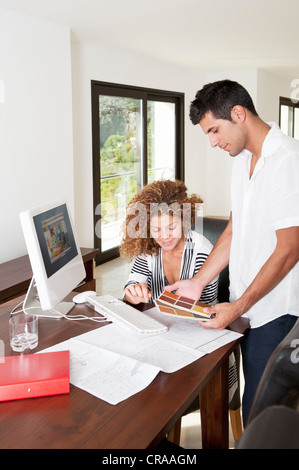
(67, 317)
(18, 311)
(80, 317)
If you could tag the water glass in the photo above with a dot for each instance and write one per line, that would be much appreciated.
(23, 330)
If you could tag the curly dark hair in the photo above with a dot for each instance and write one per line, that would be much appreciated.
(164, 196)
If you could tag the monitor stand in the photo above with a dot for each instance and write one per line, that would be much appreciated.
(32, 305)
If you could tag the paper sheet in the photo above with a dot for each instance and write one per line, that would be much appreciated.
(192, 335)
(109, 376)
(114, 364)
(168, 356)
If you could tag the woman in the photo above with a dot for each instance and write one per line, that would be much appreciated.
(158, 234)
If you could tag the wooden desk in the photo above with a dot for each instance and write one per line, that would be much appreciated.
(15, 275)
(80, 420)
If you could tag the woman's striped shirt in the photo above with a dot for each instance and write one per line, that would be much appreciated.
(149, 268)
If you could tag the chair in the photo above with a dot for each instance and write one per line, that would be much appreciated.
(276, 427)
(212, 229)
(276, 402)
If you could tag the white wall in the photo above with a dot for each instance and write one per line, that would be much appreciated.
(44, 158)
(90, 62)
(36, 153)
(269, 88)
(219, 163)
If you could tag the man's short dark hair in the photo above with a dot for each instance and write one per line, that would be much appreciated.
(219, 98)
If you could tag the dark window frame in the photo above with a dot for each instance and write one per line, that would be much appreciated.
(146, 94)
(291, 104)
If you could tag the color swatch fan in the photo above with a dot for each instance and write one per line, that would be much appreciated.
(177, 305)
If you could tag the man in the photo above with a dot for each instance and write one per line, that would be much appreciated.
(261, 241)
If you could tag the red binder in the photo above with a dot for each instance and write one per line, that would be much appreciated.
(34, 375)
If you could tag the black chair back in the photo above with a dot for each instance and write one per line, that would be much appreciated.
(276, 427)
(273, 422)
(212, 229)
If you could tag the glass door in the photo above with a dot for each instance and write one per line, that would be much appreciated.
(135, 141)
(161, 138)
(120, 163)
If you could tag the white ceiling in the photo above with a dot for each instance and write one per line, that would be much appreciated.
(195, 33)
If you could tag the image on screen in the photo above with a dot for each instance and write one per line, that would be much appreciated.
(56, 238)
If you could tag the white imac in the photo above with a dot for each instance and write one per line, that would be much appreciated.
(55, 259)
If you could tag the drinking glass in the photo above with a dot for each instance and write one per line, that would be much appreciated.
(23, 330)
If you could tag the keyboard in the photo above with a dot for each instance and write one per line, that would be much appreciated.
(124, 315)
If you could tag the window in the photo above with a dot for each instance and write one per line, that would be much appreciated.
(138, 137)
(289, 117)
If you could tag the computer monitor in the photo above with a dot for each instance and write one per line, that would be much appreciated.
(55, 259)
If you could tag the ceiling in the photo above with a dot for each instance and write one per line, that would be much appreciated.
(189, 33)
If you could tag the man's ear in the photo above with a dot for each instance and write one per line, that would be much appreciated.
(238, 113)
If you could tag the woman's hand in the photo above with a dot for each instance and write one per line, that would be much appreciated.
(137, 293)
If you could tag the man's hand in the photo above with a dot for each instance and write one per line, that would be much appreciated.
(137, 293)
(190, 288)
(222, 315)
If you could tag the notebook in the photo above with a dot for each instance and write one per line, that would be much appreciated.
(180, 306)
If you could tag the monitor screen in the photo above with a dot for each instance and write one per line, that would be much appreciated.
(54, 254)
(56, 238)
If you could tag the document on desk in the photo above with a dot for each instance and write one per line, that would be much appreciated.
(114, 364)
(106, 375)
(194, 336)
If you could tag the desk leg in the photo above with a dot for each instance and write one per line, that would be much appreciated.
(214, 410)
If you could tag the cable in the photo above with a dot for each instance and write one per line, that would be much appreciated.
(67, 317)
(13, 312)
(80, 317)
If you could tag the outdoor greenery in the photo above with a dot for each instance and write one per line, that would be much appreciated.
(119, 153)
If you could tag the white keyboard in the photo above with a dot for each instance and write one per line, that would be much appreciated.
(124, 315)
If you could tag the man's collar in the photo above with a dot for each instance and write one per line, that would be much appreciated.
(271, 144)
(273, 140)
